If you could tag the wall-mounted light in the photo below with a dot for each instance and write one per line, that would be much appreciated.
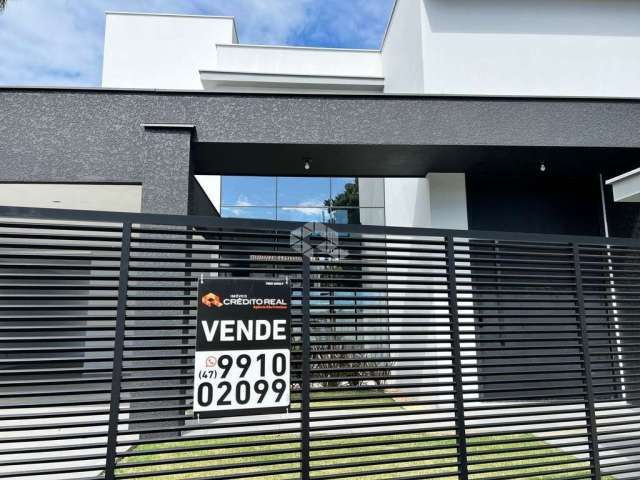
(307, 164)
(543, 167)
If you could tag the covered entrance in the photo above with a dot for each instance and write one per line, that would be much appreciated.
(509, 189)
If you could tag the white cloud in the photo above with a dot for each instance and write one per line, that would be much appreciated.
(243, 201)
(45, 43)
(267, 22)
(308, 208)
(59, 42)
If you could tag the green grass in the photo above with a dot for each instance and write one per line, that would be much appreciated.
(281, 452)
(358, 398)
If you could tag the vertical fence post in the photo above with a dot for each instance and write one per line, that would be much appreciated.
(306, 367)
(456, 360)
(594, 458)
(118, 347)
(188, 282)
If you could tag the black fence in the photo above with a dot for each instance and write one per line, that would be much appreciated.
(416, 353)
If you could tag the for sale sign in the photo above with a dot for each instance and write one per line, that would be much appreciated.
(243, 353)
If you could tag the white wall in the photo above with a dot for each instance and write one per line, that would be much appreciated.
(161, 51)
(437, 201)
(371, 197)
(73, 196)
(299, 60)
(472, 47)
(402, 50)
(569, 48)
(212, 186)
(447, 197)
(406, 202)
(269, 69)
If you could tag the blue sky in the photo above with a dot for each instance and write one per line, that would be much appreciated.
(59, 42)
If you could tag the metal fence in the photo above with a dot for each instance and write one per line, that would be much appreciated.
(416, 353)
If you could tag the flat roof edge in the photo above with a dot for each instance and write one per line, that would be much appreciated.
(89, 89)
(624, 176)
(376, 78)
(186, 15)
(234, 26)
(298, 47)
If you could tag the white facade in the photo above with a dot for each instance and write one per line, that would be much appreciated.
(586, 48)
(161, 51)
(566, 48)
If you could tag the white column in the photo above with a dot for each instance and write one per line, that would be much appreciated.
(447, 200)
(448, 209)
(406, 202)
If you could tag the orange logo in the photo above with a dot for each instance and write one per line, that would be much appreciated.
(211, 300)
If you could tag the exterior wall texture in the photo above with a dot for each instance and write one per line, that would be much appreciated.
(96, 135)
(86, 138)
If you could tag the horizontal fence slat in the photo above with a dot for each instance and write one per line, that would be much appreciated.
(416, 353)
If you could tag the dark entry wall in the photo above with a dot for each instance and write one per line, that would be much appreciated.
(537, 203)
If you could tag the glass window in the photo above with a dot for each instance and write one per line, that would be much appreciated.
(262, 213)
(358, 216)
(344, 192)
(303, 191)
(248, 191)
(371, 192)
(304, 214)
(344, 200)
(372, 216)
(345, 216)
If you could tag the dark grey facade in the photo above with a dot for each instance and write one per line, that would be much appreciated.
(58, 135)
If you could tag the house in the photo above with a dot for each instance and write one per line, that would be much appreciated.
(567, 49)
(470, 162)
(472, 115)
(463, 51)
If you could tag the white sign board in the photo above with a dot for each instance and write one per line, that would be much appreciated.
(243, 356)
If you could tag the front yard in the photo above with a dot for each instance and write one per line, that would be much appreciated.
(419, 445)
(409, 454)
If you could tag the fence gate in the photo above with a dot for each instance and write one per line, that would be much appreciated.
(416, 353)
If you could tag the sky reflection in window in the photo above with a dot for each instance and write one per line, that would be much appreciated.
(249, 191)
(305, 199)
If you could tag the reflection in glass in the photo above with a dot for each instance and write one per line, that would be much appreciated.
(371, 192)
(343, 200)
(358, 216)
(304, 214)
(303, 191)
(248, 191)
(345, 216)
(263, 213)
(344, 192)
(371, 216)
